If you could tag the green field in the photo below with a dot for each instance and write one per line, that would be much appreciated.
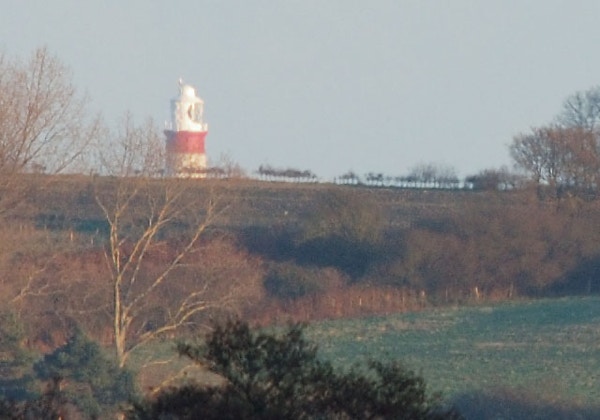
(547, 348)
(519, 360)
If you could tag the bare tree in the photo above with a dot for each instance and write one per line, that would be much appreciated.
(582, 109)
(563, 158)
(155, 229)
(43, 121)
(45, 129)
(349, 178)
(227, 167)
(132, 150)
(374, 179)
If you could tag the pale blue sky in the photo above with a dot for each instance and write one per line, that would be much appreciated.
(328, 85)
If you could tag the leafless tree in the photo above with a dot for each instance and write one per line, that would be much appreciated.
(227, 167)
(374, 179)
(143, 254)
(132, 150)
(349, 177)
(582, 109)
(563, 158)
(43, 122)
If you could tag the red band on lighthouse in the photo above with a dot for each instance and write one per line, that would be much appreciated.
(185, 141)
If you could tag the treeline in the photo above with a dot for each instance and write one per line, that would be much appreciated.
(270, 173)
(424, 176)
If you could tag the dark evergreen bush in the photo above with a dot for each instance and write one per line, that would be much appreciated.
(89, 379)
(16, 376)
(270, 376)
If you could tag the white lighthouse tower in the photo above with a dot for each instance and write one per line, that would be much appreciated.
(186, 155)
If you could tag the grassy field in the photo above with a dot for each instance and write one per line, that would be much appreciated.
(520, 360)
(547, 349)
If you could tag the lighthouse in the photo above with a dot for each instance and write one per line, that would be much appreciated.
(185, 152)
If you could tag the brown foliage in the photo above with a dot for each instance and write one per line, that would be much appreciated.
(327, 293)
(216, 274)
(344, 302)
(563, 159)
(215, 277)
(497, 249)
(54, 286)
